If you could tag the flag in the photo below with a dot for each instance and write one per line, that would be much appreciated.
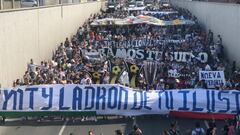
(133, 73)
(115, 72)
(97, 77)
(150, 71)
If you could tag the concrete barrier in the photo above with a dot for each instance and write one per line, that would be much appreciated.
(35, 33)
(221, 18)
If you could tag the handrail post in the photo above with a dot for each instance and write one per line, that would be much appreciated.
(1, 4)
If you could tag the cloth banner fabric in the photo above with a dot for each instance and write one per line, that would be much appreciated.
(212, 78)
(142, 54)
(117, 100)
(215, 116)
(136, 43)
(133, 73)
(115, 72)
(159, 12)
(141, 19)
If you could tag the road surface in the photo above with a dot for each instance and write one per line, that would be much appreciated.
(150, 126)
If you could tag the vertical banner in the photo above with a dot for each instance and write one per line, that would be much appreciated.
(150, 71)
(96, 76)
(115, 72)
(133, 73)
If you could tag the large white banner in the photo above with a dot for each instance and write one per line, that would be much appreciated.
(212, 78)
(117, 100)
(142, 54)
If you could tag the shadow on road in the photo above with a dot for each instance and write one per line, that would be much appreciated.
(150, 125)
(19, 122)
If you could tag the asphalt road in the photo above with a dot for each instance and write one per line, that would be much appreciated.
(149, 125)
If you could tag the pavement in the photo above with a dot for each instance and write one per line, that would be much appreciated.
(150, 125)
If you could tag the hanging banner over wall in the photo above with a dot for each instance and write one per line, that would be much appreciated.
(212, 78)
(117, 100)
(140, 42)
(141, 19)
(159, 12)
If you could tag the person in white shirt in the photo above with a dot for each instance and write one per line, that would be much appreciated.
(106, 77)
(83, 80)
(124, 79)
(31, 66)
(86, 80)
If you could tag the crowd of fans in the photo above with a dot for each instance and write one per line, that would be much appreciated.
(198, 129)
(70, 66)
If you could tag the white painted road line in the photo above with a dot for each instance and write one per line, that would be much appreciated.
(63, 127)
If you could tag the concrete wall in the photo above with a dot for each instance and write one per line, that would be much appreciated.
(7, 4)
(221, 18)
(35, 33)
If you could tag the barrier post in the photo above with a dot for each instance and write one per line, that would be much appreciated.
(13, 4)
(1, 4)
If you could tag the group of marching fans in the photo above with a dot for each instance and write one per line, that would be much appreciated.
(71, 64)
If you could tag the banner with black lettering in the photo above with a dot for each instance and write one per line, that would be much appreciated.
(117, 100)
(143, 54)
(212, 78)
(137, 43)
